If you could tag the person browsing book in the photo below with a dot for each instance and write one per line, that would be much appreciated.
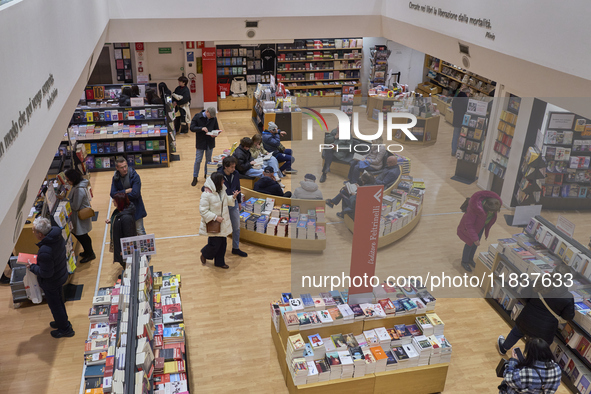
(79, 200)
(536, 373)
(232, 183)
(52, 273)
(348, 195)
(374, 160)
(181, 99)
(479, 217)
(269, 185)
(257, 150)
(128, 181)
(213, 207)
(390, 174)
(245, 164)
(272, 143)
(341, 151)
(122, 224)
(545, 308)
(202, 125)
(308, 189)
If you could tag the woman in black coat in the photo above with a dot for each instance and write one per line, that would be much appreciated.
(122, 225)
(535, 320)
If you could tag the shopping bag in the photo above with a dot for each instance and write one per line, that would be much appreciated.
(32, 287)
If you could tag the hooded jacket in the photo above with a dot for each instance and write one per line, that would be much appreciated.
(308, 190)
(51, 268)
(136, 193)
(473, 220)
(213, 204)
(202, 140)
(268, 185)
(79, 200)
(123, 226)
(271, 142)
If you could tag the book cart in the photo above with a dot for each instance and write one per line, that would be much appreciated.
(413, 380)
(280, 242)
(137, 133)
(508, 300)
(128, 364)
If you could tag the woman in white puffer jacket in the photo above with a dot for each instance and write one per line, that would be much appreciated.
(213, 206)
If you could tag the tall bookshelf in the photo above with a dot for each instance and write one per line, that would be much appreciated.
(451, 77)
(379, 65)
(320, 67)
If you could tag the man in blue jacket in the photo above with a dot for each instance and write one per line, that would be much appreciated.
(128, 181)
(268, 185)
(232, 182)
(390, 173)
(52, 273)
(272, 143)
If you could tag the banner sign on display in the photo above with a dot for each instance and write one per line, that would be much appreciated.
(566, 226)
(561, 120)
(146, 244)
(209, 67)
(477, 107)
(368, 210)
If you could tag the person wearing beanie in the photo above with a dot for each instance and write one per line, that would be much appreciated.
(272, 143)
(268, 185)
(308, 189)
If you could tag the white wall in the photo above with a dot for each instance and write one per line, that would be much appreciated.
(404, 59)
(41, 38)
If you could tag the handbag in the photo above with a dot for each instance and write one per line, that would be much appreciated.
(238, 85)
(501, 368)
(215, 227)
(85, 213)
(560, 319)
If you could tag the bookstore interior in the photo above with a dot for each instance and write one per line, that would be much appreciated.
(143, 337)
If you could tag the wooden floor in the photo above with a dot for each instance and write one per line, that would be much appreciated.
(227, 311)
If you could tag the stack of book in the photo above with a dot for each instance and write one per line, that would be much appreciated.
(423, 347)
(425, 325)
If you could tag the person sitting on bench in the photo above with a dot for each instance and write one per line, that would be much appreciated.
(374, 160)
(268, 185)
(390, 173)
(348, 195)
(272, 143)
(341, 151)
(245, 164)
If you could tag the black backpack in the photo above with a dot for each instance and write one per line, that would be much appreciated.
(464, 206)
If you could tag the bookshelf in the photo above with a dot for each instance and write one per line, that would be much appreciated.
(450, 78)
(379, 65)
(471, 141)
(320, 67)
(279, 242)
(505, 133)
(566, 151)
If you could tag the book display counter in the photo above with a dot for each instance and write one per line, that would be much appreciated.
(136, 339)
(534, 254)
(325, 345)
(137, 133)
(282, 223)
(402, 207)
(269, 108)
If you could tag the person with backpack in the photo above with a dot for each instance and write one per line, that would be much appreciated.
(480, 214)
(537, 373)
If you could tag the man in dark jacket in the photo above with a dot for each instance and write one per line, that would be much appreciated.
(341, 150)
(232, 182)
(203, 123)
(52, 273)
(181, 99)
(272, 143)
(459, 106)
(268, 185)
(536, 320)
(390, 173)
(245, 163)
(127, 180)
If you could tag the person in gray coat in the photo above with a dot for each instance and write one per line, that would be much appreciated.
(308, 189)
(78, 200)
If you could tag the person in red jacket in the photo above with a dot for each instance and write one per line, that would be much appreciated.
(479, 218)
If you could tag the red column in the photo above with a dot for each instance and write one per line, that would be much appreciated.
(209, 75)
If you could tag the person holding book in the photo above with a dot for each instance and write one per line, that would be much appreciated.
(269, 185)
(479, 217)
(232, 183)
(202, 125)
(125, 96)
(272, 143)
(390, 174)
(245, 164)
(215, 219)
(52, 273)
(545, 308)
(374, 160)
(79, 199)
(128, 181)
(181, 100)
(341, 151)
(348, 195)
(308, 189)
(459, 106)
(535, 373)
(257, 150)
(122, 224)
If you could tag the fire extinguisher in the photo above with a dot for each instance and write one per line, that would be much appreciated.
(192, 83)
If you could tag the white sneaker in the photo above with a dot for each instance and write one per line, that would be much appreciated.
(282, 185)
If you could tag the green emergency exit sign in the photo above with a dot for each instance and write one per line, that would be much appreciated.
(164, 51)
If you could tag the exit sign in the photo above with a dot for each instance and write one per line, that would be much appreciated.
(164, 51)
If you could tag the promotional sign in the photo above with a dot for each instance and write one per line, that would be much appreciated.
(209, 75)
(566, 226)
(368, 210)
(146, 244)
